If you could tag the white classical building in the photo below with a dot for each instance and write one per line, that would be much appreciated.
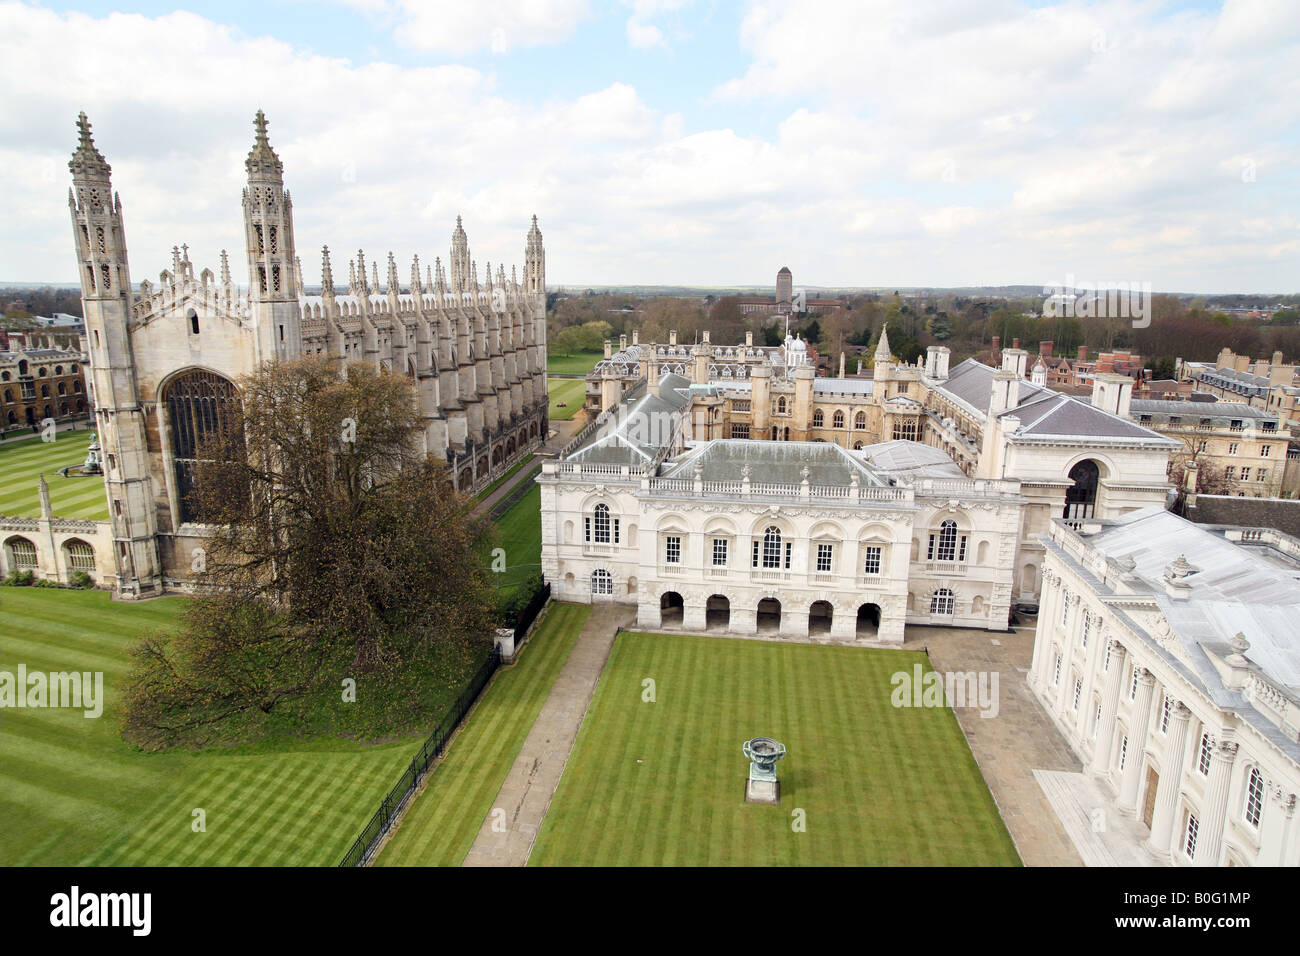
(1166, 653)
(793, 538)
(1074, 458)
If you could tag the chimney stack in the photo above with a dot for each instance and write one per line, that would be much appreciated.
(1082, 354)
(749, 338)
(636, 336)
(1189, 483)
(1015, 360)
(1045, 349)
(672, 337)
(1015, 343)
(1112, 393)
(1005, 393)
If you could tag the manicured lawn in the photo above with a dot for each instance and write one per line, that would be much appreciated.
(72, 793)
(500, 481)
(21, 464)
(440, 826)
(520, 535)
(572, 391)
(580, 363)
(663, 783)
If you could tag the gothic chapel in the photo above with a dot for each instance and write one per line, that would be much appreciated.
(165, 357)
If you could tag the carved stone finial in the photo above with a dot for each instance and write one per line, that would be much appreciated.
(262, 159)
(326, 272)
(87, 161)
(362, 286)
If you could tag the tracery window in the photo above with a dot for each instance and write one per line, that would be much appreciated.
(199, 406)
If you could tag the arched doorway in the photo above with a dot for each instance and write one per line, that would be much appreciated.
(717, 613)
(819, 617)
(769, 615)
(1081, 497)
(868, 624)
(671, 608)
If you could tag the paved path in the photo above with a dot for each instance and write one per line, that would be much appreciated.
(1100, 833)
(564, 431)
(527, 473)
(1012, 746)
(526, 794)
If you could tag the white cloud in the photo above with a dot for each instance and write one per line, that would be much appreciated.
(453, 26)
(643, 36)
(914, 144)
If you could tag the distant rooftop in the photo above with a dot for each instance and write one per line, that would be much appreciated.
(771, 462)
(912, 459)
(1233, 588)
(1042, 411)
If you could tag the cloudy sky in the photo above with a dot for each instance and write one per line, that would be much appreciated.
(881, 143)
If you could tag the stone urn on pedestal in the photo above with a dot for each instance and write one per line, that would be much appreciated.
(762, 786)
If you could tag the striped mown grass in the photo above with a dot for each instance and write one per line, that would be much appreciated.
(23, 461)
(519, 533)
(662, 783)
(72, 793)
(440, 826)
(571, 391)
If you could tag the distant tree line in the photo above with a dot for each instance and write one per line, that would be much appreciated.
(1195, 329)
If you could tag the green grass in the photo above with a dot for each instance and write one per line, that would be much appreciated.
(519, 533)
(497, 484)
(440, 826)
(573, 391)
(72, 793)
(662, 783)
(21, 464)
(579, 363)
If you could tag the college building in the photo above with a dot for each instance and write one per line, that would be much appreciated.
(1165, 655)
(1075, 458)
(165, 357)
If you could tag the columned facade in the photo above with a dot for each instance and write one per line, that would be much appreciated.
(1211, 785)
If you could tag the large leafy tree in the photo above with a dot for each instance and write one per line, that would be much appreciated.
(337, 551)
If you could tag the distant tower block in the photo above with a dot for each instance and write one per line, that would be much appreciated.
(784, 288)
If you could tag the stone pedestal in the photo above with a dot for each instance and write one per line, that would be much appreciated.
(504, 638)
(762, 791)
